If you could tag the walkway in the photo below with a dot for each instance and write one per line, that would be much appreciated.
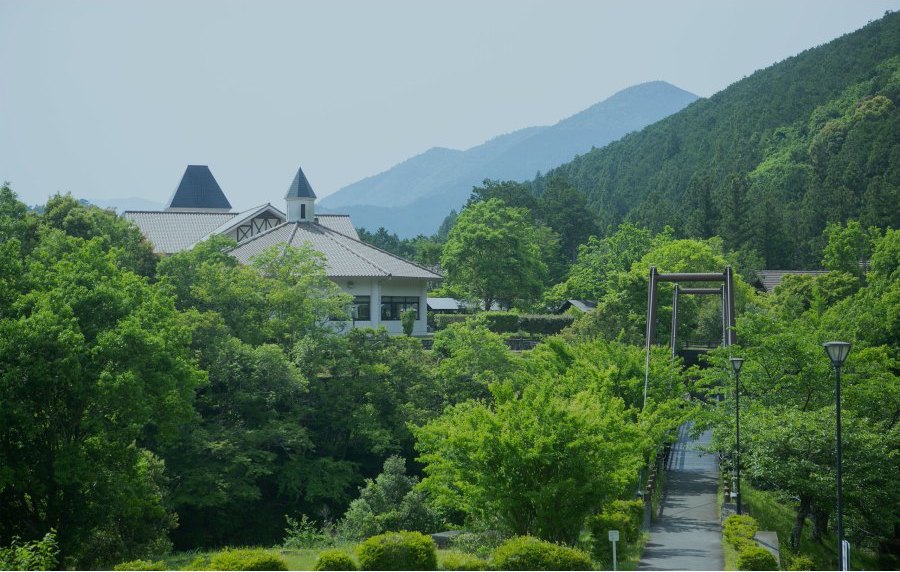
(687, 536)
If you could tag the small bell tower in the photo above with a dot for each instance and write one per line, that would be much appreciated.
(301, 200)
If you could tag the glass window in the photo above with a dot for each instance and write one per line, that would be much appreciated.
(361, 309)
(393, 306)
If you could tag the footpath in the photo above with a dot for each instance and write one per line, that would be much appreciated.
(687, 535)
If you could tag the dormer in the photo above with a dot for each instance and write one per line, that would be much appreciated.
(301, 200)
(198, 191)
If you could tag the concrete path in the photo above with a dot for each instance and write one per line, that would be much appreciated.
(688, 534)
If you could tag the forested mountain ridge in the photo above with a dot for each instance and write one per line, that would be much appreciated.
(414, 196)
(768, 161)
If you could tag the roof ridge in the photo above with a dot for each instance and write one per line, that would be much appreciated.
(193, 212)
(328, 232)
(416, 264)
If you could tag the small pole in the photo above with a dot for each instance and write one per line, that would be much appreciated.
(614, 556)
(614, 537)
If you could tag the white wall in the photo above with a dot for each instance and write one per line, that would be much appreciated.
(375, 288)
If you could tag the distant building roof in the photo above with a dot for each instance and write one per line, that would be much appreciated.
(198, 189)
(339, 223)
(583, 305)
(444, 304)
(300, 188)
(345, 256)
(769, 279)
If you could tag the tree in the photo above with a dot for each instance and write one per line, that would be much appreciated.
(470, 357)
(847, 249)
(566, 211)
(513, 194)
(493, 253)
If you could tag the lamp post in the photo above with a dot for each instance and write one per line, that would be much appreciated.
(837, 352)
(736, 364)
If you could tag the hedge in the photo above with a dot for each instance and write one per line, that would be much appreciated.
(334, 560)
(141, 565)
(624, 516)
(441, 321)
(460, 561)
(738, 530)
(547, 324)
(529, 553)
(510, 322)
(240, 559)
(753, 557)
(398, 551)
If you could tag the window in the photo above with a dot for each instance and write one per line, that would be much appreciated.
(302, 212)
(393, 306)
(361, 309)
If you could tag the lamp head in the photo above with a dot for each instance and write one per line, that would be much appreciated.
(837, 351)
(736, 363)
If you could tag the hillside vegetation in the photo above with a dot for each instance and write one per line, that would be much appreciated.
(769, 161)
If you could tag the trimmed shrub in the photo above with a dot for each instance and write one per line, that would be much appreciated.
(753, 557)
(398, 551)
(529, 553)
(460, 561)
(480, 544)
(441, 321)
(334, 560)
(501, 322)
(141, 565)
(408, 321)
(801, 563)
(246, 559)
(738, 530)
(547, 324)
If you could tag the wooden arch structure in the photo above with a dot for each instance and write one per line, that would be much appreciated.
(725, 290)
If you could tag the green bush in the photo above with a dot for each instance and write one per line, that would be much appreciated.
(242, 559)
(599, 526)
(398, 551)
(801, 563)
(35, 555)
(441, 321)
(304, 533)
(334, 560)
(738, 530)
(501, 322)
(408, 321)
(547, 324)
(141, 565)
(460, 561)
(753, 557)
(480, 544)
(529, 553)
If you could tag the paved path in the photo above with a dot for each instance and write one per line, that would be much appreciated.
(688, 535)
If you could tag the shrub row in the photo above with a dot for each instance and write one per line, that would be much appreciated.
(529, 553)
(398, 551)
(509, 322)
(624, 516)
(240, 559)
(738, 531)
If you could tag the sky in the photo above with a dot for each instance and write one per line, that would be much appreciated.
(112, 99)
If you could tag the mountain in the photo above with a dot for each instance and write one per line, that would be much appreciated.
(413, 197)
(769, 161)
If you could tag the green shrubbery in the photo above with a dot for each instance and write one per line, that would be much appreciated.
(753, 557)
(544, 324)
(510, 322)
(398, 551)
(624, 516)
(481, 544)
(460, 561)
(36, 555)
(141, 565)
(738, 530)
(799, 562)
(334, 560)
(441, 321)
(529, 553)
(501, 322)
(304, 533)
(240, 559)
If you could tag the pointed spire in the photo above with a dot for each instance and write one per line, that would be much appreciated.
(198, 189)
(300, 188)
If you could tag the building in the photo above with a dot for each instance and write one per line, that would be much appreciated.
(383, 285)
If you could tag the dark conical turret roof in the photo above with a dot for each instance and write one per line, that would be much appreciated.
(198, 189)
(300, 188)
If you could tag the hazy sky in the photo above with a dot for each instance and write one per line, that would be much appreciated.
(113, 99)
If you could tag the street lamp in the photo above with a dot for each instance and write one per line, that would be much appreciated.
(736, 364)
(837, 352)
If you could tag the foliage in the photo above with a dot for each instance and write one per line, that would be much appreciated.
(334, 560)
(141, 565)
(544, 324)
(441, 321)
(481, 544)
(738, 530)
(753, 557)
(241, 559)
(462, 561)
(799, 562)
(389, 503)
(470, 358)
(40, 554)
(426, 250)
(398, 551)
(304, 533)
(408, 321)
(495, 252)
(501, 322)
(529, 553)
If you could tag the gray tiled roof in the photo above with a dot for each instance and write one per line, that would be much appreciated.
(772, 278)
(345, 256)
(198, 189)
(174, 231)
(300, 188)
(338, 222)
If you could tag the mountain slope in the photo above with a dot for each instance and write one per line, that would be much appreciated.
(770, 160)
(414, 196)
